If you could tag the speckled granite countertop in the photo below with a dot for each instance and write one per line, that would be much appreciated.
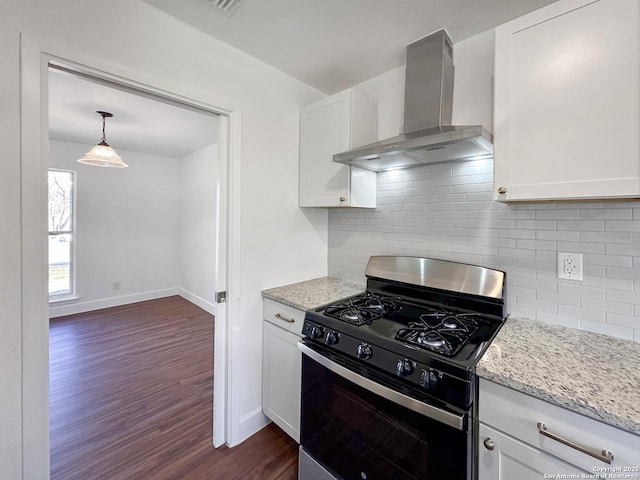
(313, 293)
(591, 374)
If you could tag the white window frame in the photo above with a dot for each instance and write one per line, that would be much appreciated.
(71, 295)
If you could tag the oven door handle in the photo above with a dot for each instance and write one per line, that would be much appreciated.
(443, 416)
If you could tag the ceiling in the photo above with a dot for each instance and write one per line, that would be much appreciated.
(139, 124)
(328, 44)
(334, 44)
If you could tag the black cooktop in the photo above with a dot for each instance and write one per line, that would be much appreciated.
(427, 332)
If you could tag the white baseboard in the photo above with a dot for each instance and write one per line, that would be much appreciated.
(81, 307)
(199, 301)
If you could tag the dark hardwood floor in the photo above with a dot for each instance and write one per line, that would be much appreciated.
(131, 398)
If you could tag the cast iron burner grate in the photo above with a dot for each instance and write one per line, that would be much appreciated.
(441, 331)
(363, 309)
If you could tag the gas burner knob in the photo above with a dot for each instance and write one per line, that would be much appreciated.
(331, 338)
(404, 368)
(364, 351)
(429, 378)
(316, 332)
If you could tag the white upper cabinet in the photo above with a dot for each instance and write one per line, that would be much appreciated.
(566, 103)
(332, 125)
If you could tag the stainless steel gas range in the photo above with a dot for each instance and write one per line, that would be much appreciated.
(388, 383)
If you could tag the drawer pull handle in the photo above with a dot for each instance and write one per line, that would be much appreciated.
(279, 316)
(489, 444)
(603, 455)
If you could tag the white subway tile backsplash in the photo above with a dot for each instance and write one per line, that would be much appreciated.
(558, 235)
(613, 260)
(517, 252)
(621, 320)
(582, 291)
(537, 285)
(581, 247)
(607, 237)
(625, 273)
(607, 329)
(606, 306)
(521, 293)
(537, 244)
(557, 214)
(536, 224)
(608, 283)
(622, 226)
(594, 270)
(452, 197)
(501, 263)
(491, 240)
(475, 188)
(517, 214)
(625, 297)
(480, 250)
(582, 225)
(479, 178)
(559, 299)
(539, 265)
(558, 319)
(518, 311)
(581, 313)
(479, 196)
(623, 249)
(514, 233)
(537, 305)
(606, 214)
(446, 211)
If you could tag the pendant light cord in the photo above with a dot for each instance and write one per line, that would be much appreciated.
(104, 121)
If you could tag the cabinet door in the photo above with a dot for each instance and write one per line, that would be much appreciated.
(324, 131)
(333, 125)
(566, 102)
(281, 379)
(511, 459)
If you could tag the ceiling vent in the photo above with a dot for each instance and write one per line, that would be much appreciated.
(228, 7)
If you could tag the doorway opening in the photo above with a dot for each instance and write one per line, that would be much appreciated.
(35, 63)
(141, 233)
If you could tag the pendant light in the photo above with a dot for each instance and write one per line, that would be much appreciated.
(102, 155)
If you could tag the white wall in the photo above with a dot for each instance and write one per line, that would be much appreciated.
(197, 226)
(127, 228)
(279, 242)
(446, 211)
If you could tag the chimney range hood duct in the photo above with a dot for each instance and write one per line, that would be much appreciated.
(428, 134)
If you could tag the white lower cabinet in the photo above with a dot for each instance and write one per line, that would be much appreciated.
(281, 366)
(502, 457)
(522, 437)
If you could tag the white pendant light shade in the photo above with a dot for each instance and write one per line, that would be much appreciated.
(102, 155)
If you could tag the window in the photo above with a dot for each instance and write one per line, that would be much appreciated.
(61, 234)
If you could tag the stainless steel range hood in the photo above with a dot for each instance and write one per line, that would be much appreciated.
(428, 134)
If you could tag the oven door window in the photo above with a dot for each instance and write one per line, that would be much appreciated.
(362, 436)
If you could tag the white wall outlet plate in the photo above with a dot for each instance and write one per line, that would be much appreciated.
(570, 266)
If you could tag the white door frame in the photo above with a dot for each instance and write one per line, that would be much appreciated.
(36, 53)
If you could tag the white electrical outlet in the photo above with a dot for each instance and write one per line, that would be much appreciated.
(570, 266)
(115, 285)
